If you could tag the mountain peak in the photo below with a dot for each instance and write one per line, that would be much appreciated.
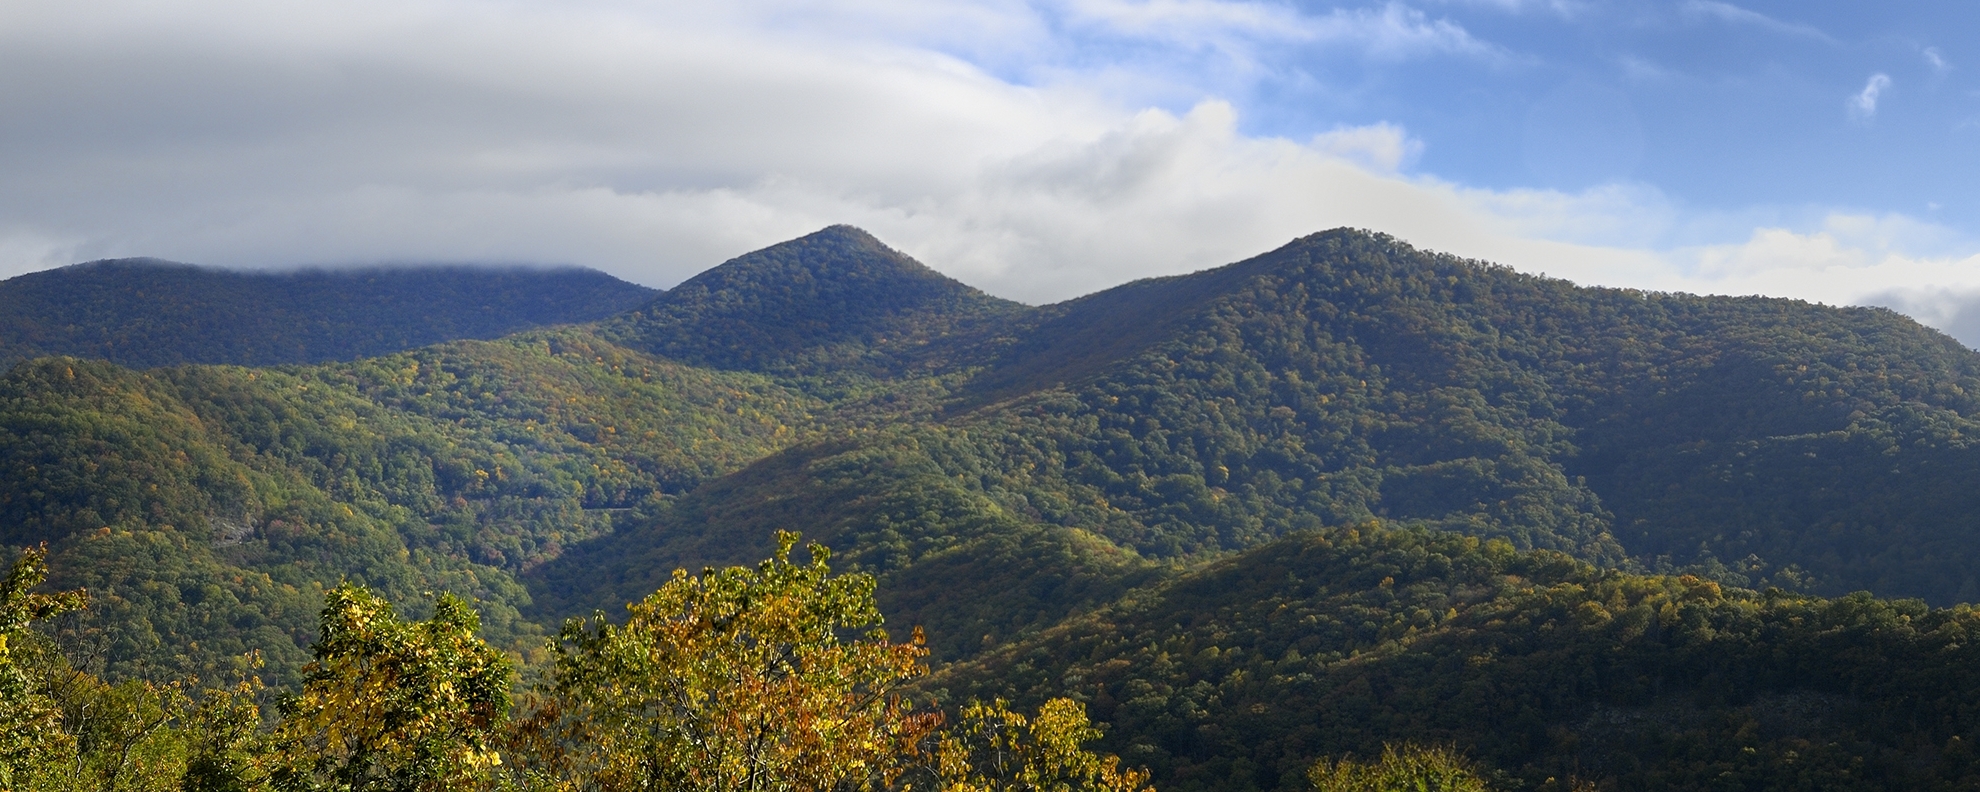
(837, 295)
(821, 264)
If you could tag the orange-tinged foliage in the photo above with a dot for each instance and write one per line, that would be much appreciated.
(737, 680)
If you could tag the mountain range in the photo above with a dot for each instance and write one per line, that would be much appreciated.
(146, 312)
(1341, 493)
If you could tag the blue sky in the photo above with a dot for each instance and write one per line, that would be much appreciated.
(1039, 149)
(1727, 109)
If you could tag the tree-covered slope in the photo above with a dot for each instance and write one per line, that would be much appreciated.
(1002, 468)
(145, 312)
(1349, 377)
(835, 302)
(207, 508)
(1239, 675)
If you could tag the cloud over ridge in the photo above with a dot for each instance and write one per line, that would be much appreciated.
(1037, 149)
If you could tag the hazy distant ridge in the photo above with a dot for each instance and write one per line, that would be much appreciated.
(148, 312)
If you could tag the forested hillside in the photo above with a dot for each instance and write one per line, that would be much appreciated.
(208, 508)
(1348, 377)
(1333, 643)
(145, 312)
(833, 304)
(1060, 495)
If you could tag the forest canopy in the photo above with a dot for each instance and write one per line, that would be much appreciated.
(1567, 536)
(732, 680)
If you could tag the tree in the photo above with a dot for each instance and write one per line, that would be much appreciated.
(30, 730)
(1405, 768)
(738, 680)
(994, 749)
(225, 738)
(390, 704)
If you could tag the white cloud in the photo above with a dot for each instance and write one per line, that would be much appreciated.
(1189, 21)
(1935, 59)
(1732, 14)
(1642, 69)
(653, 141)
(1392, 31)
(1398, 31)
(1562, 8)
(27, 250)
(1380, 147)
(647, 141)
(1849, 258)
(1863, 104)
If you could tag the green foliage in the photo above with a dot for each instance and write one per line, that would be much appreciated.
(997, 467)
(1063, 488)
(1239, 675)
(737, 679)
(1405, 768)
(66, 729)
(145, 312)
(1347, 377)
(125, 736)
(391, 704)
(994, 749)
(225, 740)
(948, 555)
(827, 305)
(29, 737)
(209, 508)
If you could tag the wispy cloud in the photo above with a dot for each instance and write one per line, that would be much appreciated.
(1188, 20)
(1863, 104)
(1732, 14)
(1936, 60)
(1638, 68)
(1393, 30)
(1562, 8)
(1398, 31)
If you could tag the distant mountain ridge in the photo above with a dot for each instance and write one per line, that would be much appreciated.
(1348, 376)
(149, 312)
(1279, 510)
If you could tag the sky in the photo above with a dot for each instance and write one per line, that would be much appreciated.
(1038, 149)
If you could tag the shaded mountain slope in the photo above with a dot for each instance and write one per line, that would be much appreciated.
(965, 561)
(1239, 675)
(1349, 377)
(1429, 388)
(145, 312)
(833, 302)
(1004, 468)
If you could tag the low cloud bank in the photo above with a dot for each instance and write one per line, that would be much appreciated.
(655, 143)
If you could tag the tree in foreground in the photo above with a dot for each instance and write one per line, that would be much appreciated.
(994, 749)
(31, 738)
(390, 704)
(1405, 768)
(738, 680)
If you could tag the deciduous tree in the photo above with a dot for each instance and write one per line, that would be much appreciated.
(30, 733)
(993, 748)
(390, 704)
(1401, 768)
(739, 679)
